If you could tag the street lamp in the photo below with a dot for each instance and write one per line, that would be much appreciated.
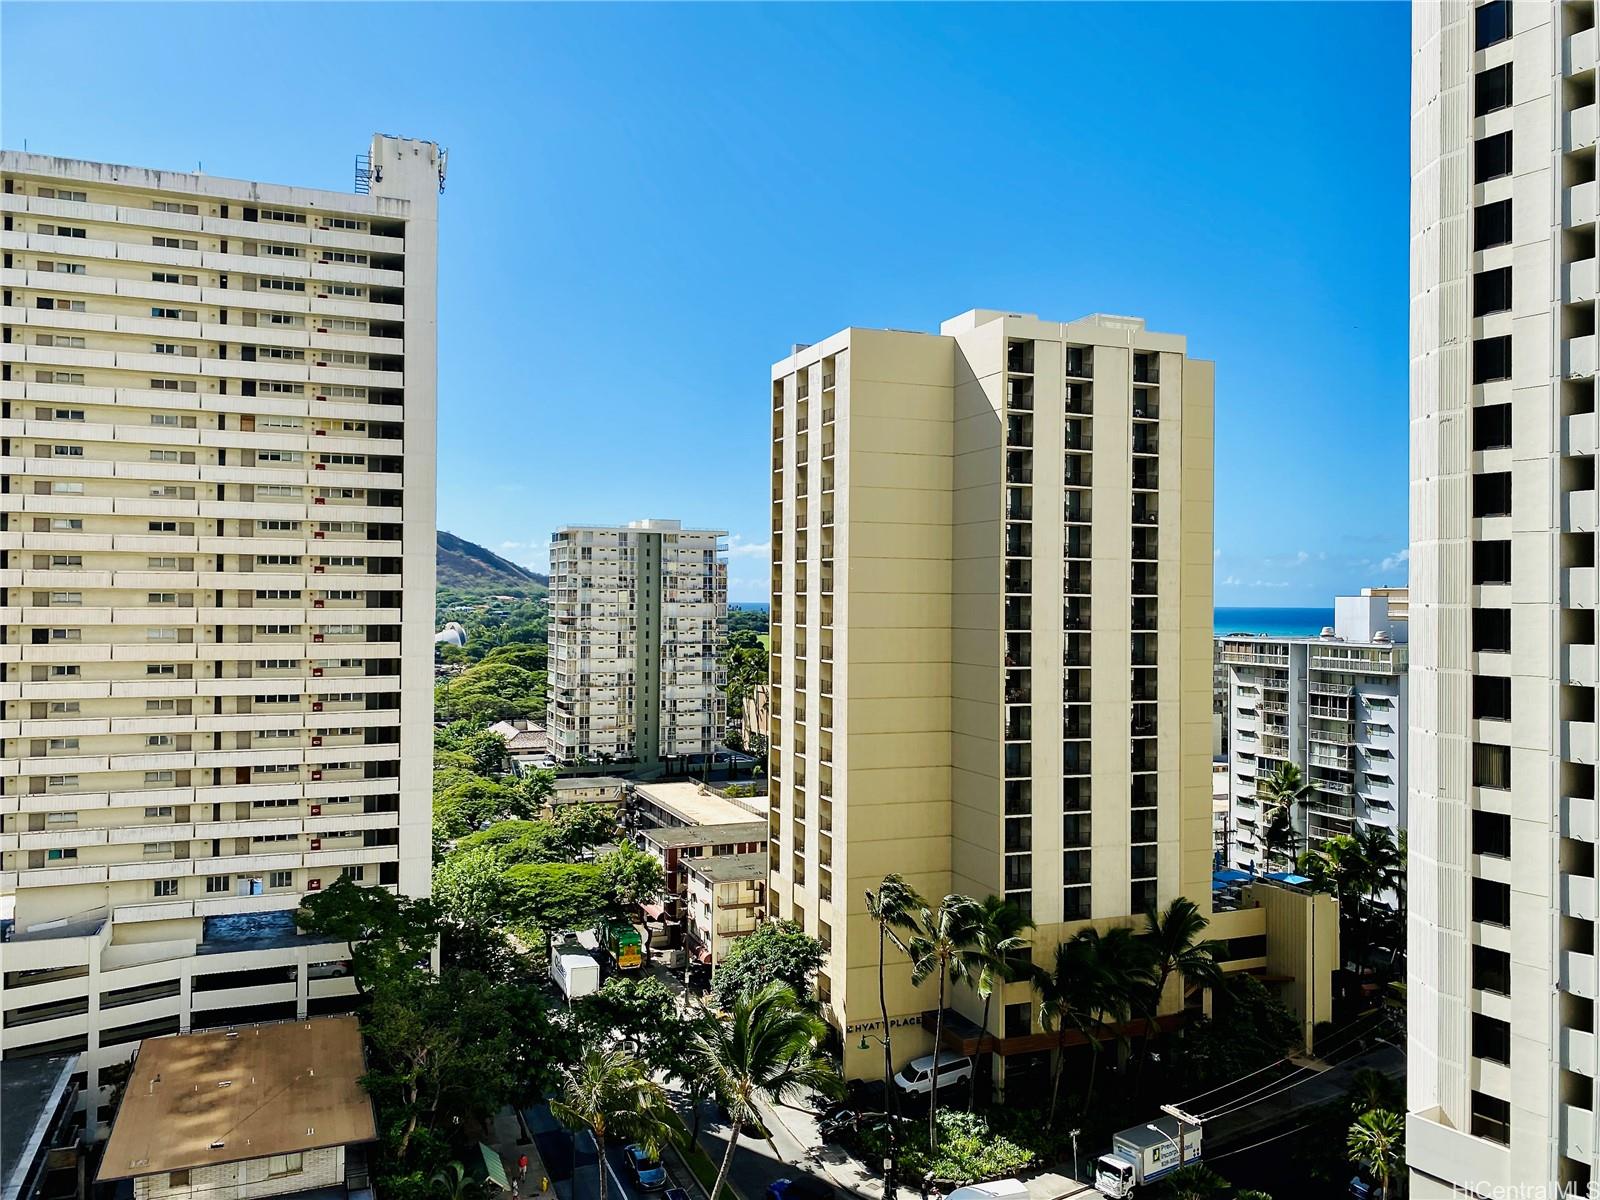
(891, 1171)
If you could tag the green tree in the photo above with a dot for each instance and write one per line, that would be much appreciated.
(1249, 1028)
(943, 945)
(891, 908)
(632, 878)
(644, 1009)
(389, 934)
(608, 1094)
(1377, 1144)
(766, 1047)
(1173, 940)
(547, 897)
(777, 951)
(997, 937)
(1370, 1089)
(441, 1045)
(534, 789)
(1193, 1182)
(1279, 794)
(451, 1182)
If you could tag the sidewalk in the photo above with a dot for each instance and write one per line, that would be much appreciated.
(511, 1139)
(850, 1175)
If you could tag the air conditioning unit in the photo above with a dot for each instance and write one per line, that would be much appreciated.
(316, 810)
(316, 843)
(316, 777)
(313, 885)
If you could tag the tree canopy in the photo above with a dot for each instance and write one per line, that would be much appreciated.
(778, 951)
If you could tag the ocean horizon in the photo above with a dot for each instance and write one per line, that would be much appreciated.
(1273, 622)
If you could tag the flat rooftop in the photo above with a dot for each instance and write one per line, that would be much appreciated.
(199, 1099)
(706, 835)
(729, 868)
(695, 805)
(31, 1089)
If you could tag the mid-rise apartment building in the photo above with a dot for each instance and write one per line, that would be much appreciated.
(216, 586)
(1503, 969)
(638, 618)
(1333, 706)
(991, 639)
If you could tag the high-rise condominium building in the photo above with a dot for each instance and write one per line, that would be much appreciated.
(991, 623)
(638, 616)
(1502, 960)
(216, 586)
(1333, 706)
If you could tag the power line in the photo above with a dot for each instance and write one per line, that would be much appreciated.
(1272, 1090)
(1272, 1087)
(1262, 1142)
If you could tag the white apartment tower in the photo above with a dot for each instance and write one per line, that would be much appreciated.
(638, 617)
(216, 586)
(1335, 707)
(1502, 957)
(991, 639)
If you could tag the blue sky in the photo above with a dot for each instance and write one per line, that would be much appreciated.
(647, 205)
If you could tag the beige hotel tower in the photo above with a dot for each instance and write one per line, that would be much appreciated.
(216, 586)
(991, 637)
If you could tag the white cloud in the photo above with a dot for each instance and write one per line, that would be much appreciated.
(1270, 583)
(1231, 581)
(739, 548)
(1395, 561)
(503, 546)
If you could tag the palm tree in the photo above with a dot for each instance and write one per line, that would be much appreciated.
(1370, 1089)
(1278, 794)
(891, 907)
(997, 933)
(766, 1047)
(1377, 1144)
(1194, 1182)
(943, 944)
(1173, 941)
(452, 1182)
(1091, 982)
(608, 1093)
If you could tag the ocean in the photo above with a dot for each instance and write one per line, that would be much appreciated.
(1276, 622)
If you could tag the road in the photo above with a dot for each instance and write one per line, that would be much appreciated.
(575, 1167)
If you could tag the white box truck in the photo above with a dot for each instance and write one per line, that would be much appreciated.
(1143, 1153)
(572, 970)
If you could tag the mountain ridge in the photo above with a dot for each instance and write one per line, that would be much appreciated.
(464, 564)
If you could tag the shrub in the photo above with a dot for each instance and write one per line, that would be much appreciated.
(969, 1150)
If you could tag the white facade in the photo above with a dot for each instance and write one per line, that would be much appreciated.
(638, 616)
(1502, 898)
(1333, 706)
(216, 585)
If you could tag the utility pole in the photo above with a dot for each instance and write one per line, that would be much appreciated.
(1184, 1120)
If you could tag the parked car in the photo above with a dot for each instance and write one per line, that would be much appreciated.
(838, 1123)
(916, 1077)
(806, 1187)
(648, 1172)
(995, 1189)
(675, 1193)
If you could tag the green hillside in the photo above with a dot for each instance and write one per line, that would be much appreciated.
(467, 566)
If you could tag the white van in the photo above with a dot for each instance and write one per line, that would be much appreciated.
(995, 1189)
(916, 1077)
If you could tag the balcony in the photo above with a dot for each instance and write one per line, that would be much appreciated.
(1578, 818)
(1578, 664)
(1578, 741)
(1580, 205)
(1578, 128)
(1577, 587)
(1578, 974)
(1577, 1132)
(1578, 53)
(1578, 281)
(1578, 356)
(1578, 511)
(1577, 1051)
(1578, 896)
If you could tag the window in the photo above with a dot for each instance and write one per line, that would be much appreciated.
(66, 524)
(1492, 970)
(1491, 562)
(282, 251)
(1491, 1116)
(1491, 359)
(1491, 833)
(64, 194)
(66, 488)
(289, 218)
(1491, 902)
(159, 778)
(67, 855)
(164, 887)
(63, 745)
(1492, 90)
(1491, 157)
(1491, 427)
(1491, 292)
(1491, 766)
(280, 879)
(1491, 1039)
(1491, 494)
(1491, 23)
(1491, 697)
(192, 210)
(284, 1164)
(281, 285)
(67, 451)
(216, 883)
(172, 243)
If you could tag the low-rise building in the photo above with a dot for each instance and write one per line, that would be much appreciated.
(590, 789)
(39, 1141)
(245, 1113)
(725, 898)
(671, 805)
(673, 846)
(526, 741)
